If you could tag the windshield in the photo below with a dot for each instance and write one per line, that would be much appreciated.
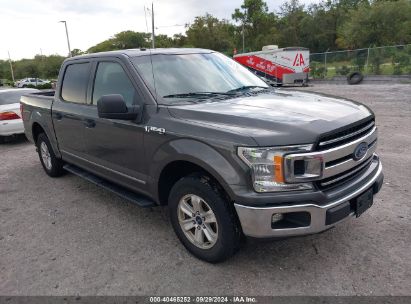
(179, 74)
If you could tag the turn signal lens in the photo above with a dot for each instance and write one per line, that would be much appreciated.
(278, 169)
(8, 116)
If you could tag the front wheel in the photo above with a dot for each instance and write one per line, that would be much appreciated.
(203, 219)
(51, 164)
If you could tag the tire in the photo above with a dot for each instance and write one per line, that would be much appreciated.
(355, 78)
(221, 238)
(51, 164)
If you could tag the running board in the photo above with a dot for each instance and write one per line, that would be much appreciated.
(119, 190)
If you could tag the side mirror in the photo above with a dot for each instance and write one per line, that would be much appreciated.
(114, 107)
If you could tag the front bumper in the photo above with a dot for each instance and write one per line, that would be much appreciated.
(257, 221)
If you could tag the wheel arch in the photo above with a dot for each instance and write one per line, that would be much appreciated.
(183, 157)
(36, 130)
(39, 126)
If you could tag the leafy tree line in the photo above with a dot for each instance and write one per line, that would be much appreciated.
(328, 25)
(46, 67)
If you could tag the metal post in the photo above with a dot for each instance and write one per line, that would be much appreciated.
(325, 63)
(366, 64)
(67, 35)
(152, 24)
(11, 68)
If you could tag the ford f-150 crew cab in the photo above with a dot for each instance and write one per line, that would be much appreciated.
(195, 130)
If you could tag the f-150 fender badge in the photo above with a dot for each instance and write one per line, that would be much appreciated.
(155, 129)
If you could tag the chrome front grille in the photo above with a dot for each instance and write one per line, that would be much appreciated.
(345, 176)
(338, 163)
(346, 135)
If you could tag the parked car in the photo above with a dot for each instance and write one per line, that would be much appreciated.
(10, 115)
(24, 83)
(195, 130)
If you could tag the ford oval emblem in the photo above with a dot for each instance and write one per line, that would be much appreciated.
(360, 151)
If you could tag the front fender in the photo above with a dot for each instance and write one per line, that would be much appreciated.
(219, 162)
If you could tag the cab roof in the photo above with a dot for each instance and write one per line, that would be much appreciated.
(145, 52)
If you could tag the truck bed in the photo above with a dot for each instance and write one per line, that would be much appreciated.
(37, 107)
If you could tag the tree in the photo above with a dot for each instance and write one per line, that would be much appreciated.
(260, 26)
(381, 23)
(26, 68)
(210, 33)
(4, 70)
(163, 41)
(121, 41)
(77, 52)
(292, 33)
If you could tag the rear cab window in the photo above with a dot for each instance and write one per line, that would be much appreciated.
(75, 82)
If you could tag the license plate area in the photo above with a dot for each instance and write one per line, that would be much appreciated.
(363, 202)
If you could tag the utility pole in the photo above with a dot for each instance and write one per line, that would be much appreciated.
(152, 24)
(41, 54)
(67, 35)
(243, 39)
(244, 19)
(11, 68)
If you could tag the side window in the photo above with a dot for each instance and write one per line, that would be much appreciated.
(111, 79)
(75, 82)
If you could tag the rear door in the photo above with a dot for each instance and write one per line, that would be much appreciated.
(69, 107)
(115, 147)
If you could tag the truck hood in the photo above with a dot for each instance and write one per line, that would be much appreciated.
(276, 118)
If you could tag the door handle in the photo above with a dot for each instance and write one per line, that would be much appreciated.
(89, 123)
(57, 115)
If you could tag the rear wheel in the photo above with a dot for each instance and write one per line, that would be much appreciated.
(51, 164)
(203, 219)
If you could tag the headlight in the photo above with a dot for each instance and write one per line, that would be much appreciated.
(268, 167)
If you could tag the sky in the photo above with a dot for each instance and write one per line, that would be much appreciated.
(30, 27)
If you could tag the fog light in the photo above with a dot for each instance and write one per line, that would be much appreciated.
(276, 217)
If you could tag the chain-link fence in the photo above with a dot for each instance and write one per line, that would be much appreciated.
(386, 60)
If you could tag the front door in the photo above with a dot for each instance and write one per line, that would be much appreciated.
(115, 146)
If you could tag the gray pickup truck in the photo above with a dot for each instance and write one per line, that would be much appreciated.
(194, 130)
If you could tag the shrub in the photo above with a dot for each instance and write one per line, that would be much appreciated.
(342, 70)
(40, 86)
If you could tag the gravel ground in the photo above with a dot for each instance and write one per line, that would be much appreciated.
(65, 236)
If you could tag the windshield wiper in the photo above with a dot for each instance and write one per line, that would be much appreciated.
(196, 94)
(243, 88)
